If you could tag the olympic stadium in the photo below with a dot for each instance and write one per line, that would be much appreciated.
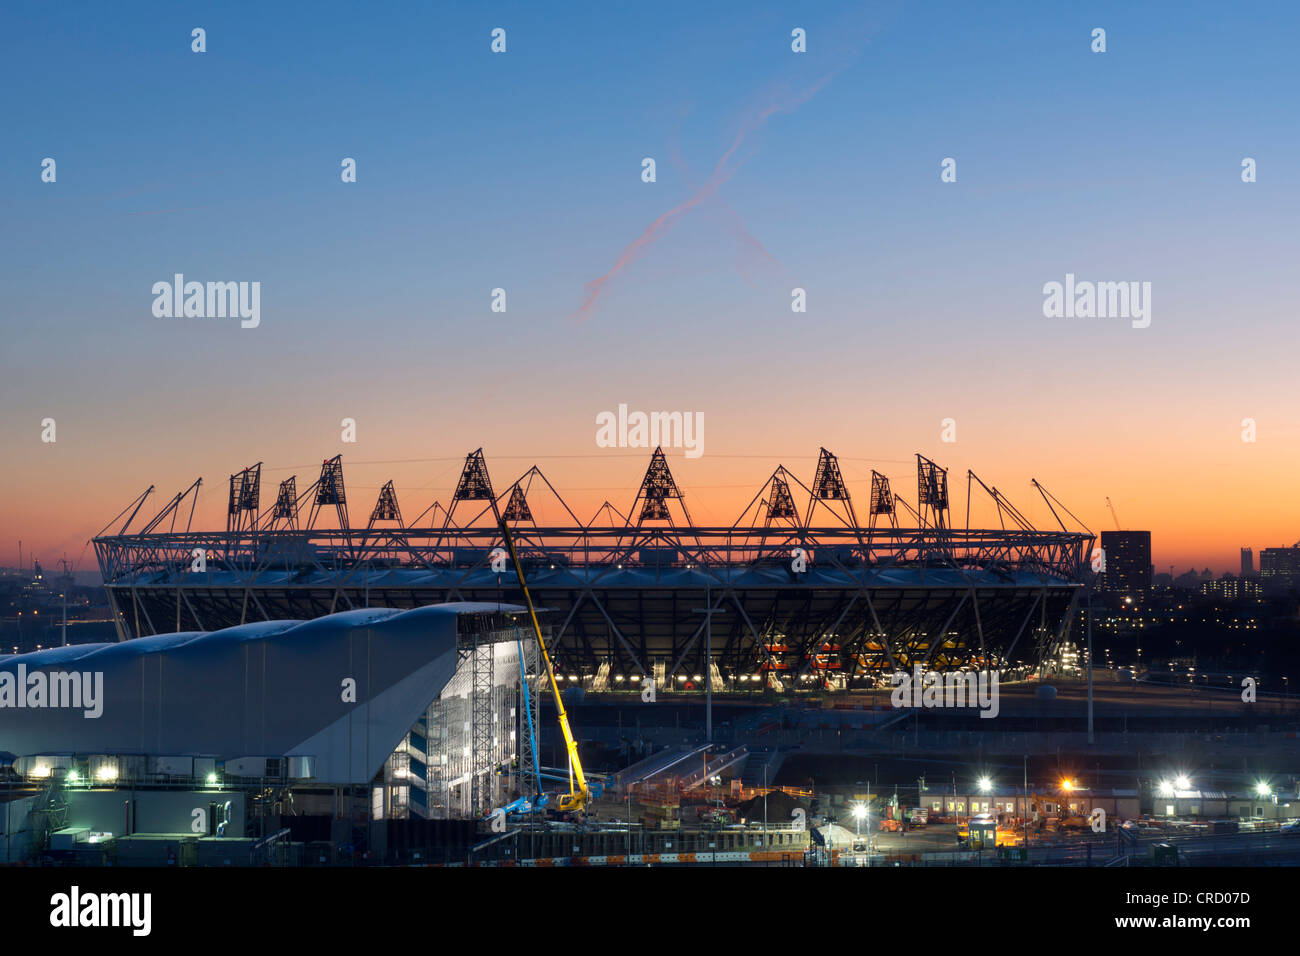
(800, 592)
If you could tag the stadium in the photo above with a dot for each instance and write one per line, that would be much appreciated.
(798, 593)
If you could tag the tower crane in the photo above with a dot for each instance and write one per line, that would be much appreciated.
(1114, 516)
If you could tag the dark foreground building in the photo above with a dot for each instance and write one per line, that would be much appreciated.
(1128, 561)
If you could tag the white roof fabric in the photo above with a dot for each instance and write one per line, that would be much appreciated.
(268, 689)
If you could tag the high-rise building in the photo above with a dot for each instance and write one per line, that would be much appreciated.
(1232, 589)
(1280, 565)
(1128, 560)
(1247, 562)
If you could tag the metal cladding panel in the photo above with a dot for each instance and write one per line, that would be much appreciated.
(255, 690)
(353, 748)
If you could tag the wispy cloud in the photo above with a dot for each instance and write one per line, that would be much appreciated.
(723, 170)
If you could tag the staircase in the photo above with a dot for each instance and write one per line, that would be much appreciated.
(647, 771)
(759, 759)
(716, 765)
(715, 676)
(660, 669)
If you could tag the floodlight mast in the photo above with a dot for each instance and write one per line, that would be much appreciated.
(579, 793)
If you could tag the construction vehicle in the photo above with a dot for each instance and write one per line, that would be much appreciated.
(1073, 821)
(525, 805)
(579, 792)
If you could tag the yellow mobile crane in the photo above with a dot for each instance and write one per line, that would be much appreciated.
(579, 793)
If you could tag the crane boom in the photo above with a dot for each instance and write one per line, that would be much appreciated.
(1113, 516)
(579, 792)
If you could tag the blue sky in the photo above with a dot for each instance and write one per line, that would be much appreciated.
(522, 171)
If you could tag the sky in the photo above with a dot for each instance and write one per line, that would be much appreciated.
(775, 170)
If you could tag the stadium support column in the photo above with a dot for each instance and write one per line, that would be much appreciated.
(708, 610)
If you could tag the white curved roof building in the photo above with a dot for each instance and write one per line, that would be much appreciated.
(340, 693)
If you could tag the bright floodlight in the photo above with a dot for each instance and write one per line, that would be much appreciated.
(212, 780)
(859, 811)
(1263, 789)
(985, 784)
(1067, 785)
(106, 772)
(1182, 783)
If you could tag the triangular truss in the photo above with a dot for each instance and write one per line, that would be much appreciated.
(781, 505)
(245, 489)
(613, 518)
(774, 503)
(286, 499)
(328, 491)
(657, 488)
(828, 485)
(931, 493)
(882, 499)
(517, 508)
(520, 498)
(285, 508)
(386, 508)
(432, 512)
(474, 484)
